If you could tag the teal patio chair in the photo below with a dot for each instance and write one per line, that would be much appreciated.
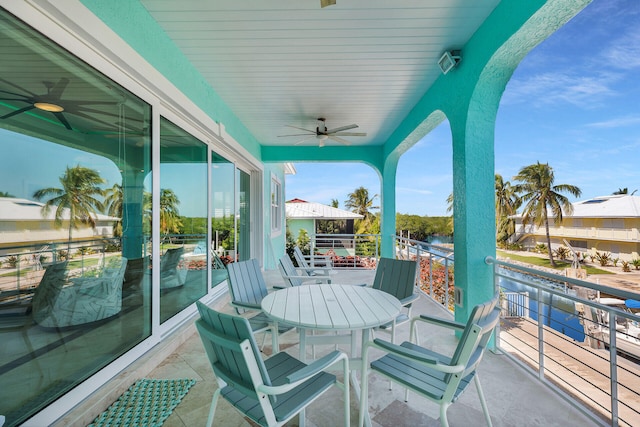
(270, 392)
(438, 377)
(319, 264)
(295, 277)
(398, 278)
(247, 288)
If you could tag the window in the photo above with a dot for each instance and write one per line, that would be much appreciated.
(276, 206)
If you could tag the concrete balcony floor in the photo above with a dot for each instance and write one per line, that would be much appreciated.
(514, 397)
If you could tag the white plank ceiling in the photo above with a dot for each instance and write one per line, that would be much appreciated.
(287, 62)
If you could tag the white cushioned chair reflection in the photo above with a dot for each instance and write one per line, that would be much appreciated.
(171, 276)
(85, 299)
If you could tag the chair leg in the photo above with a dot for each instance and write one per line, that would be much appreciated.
(212, 410)
(483, 402)
(444, 422)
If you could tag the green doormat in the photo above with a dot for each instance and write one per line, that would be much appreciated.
(147, 403)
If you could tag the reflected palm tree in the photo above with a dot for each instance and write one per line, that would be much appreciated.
(113, 203)
(80, 186)
(169, 214)
(540, 193)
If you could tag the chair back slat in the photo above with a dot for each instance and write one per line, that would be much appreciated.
(299, 256)
(286, 267)
(246, 282)
(396, 277)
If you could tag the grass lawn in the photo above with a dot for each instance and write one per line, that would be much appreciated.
(544, 262)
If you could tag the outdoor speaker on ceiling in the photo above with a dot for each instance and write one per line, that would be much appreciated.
(448, 60)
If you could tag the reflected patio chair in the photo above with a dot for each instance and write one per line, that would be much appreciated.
(313, 264)
(247, 288)
(270, 392)
(295, 277)
(398, 278)
(170, 275)
(86, 299)
(438, 377)
(137, 269)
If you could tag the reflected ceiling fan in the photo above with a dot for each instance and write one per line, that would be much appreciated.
(53, 103)
(322, 133)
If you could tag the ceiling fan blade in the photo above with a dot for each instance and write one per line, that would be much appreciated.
(349, 134)
(20, 88)
(22, 110)
(338, 139)
(305, 139)
(58, 88)
(341, 128)
(63, 120)
(295, 134)
(306, 130)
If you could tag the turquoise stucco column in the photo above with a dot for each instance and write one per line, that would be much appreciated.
(474, 212)
(388, 207)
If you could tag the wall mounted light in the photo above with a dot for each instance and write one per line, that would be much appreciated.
(449, 60)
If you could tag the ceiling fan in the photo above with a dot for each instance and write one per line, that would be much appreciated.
(53, 103)
(322, 133)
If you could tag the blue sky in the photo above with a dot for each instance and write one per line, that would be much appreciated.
(573, 102)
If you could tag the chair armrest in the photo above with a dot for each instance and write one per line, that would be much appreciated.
(246, 305)
(417, 356)
(303, 374)
(445, 323)
(307, 278)
(410, 299)
(315, 367)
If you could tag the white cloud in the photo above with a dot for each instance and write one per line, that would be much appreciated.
(617, 122)
(552, 88)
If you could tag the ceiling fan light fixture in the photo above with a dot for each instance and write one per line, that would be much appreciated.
(47, 106)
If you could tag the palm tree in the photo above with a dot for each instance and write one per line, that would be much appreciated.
(507, 203)
(169, 216)
(6, 194)
(450, 209)
(360, 203)
(80, 185)
(113, 203)
(539, 193)
(335, 203)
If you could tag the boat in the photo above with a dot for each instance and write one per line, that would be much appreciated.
(627, 328)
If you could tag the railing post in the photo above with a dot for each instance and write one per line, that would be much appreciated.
(446, 282)
(540, 337)
(613, 363)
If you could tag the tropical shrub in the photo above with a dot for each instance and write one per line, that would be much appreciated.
(12, 261)
(562, 252)
(603, 258)
(636, 263)
(625, 267)
(540, 248)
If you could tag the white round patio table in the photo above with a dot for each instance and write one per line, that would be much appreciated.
(331, 308)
